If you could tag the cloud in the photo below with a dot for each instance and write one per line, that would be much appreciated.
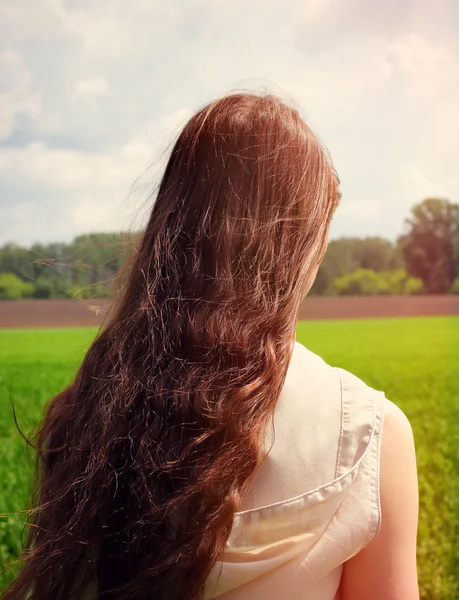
(429, 188)
(96, 92)
(63, 169)
(393, 89)
(17, 97)
(94, 187)
(174, 122)
(91, 89)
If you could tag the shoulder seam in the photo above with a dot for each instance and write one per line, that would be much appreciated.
(341, 433)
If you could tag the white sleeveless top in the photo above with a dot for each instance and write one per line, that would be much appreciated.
(314, 502)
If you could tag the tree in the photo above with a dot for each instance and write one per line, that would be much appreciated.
(413, 286)
(345, 255)
(431, 244)
(361, 282)
(455, 286)
(43, 288)
(97, 258)
(366, 282)
(13, 288)
(338, 259)
(14, 259)
(86, 267)
(377, 254)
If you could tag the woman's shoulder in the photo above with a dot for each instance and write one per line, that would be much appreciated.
(396, 421)
(344, 405)
(307, 363)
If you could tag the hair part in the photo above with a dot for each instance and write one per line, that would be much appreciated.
(144, 459)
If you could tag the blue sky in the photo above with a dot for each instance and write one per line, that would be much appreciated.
(92, 93)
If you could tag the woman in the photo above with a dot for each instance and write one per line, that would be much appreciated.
(201, 451)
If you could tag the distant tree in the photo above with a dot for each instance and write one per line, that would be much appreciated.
(345, 255)
(44, 261)
(413, 286)
(53, 262)
(361, 282)
(431, 244)
(54, 287)
(13, 288)
(338, 259)
(366, 282)
(399, 283)
(455, 286)
(42, 288)
(100, 256)
(14, 259)
(377, 254)
(86, 267)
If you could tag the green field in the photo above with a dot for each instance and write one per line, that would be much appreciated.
(415, 361)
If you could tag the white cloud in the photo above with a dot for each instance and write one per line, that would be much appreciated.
(95, 214)
(93, 190)
(97, 91)
(69, 169)
(174, 122)
(17, 96)
(100, 29)
(427, 187)
(430, 68)
(91, 89)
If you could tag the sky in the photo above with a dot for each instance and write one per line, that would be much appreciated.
(92, 94)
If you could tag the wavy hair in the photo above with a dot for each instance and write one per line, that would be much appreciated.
(144, 459)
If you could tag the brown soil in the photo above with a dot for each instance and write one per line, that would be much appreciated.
(348, 307)
(69, 313)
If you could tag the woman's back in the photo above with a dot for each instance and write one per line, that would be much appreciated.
(314, 502)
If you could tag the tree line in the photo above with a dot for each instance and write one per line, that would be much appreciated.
(84, 268)
(424, 260)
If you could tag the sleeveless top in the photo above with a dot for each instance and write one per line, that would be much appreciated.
(314, 502)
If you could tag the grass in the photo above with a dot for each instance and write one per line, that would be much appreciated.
(412, 360)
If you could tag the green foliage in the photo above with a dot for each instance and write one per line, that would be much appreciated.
(359, 282)
(88, 292)
(366, 282)
(412, 360)
(13, 259)
(413, 286)
(348, 254)
(377, 254)
(85, 268)
(399, 283)
(455, 286)
(43, 288)
(13, 288)
(431, 245)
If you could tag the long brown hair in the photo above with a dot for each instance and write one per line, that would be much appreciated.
(144, 458)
